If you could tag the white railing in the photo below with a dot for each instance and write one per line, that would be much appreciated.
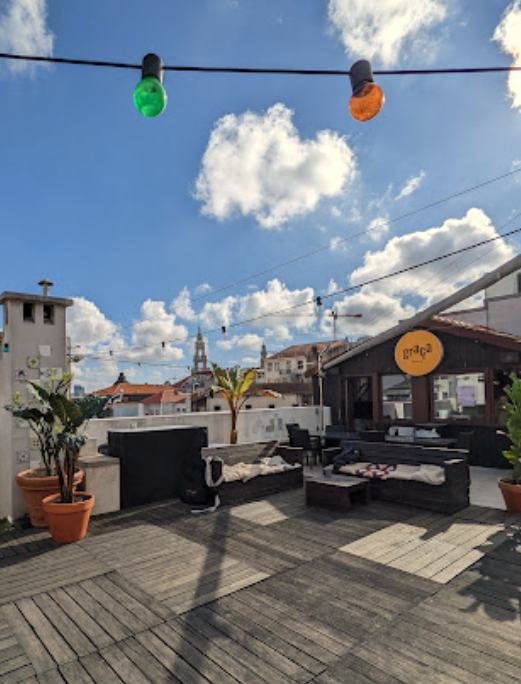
(254, 424)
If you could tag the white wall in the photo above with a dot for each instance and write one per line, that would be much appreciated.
(505, 286)
(254, 425)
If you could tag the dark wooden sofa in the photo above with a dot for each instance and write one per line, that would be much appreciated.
(231, 493)
(449, 497)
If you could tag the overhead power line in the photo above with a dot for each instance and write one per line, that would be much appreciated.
(352, 236)
(351, 288)
(73, 61)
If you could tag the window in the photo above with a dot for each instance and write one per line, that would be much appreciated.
(396, 397)
(463, 396)
(216, 408)
(271, 405)
(519, 282)
(270, 366)
(248, 406)
(277, 365)
(48, 314)
(300, 364)
(28, 312)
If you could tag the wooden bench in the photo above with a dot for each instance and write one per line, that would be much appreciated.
(263, 485)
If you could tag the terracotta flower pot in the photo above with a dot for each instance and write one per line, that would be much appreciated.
(68, 522)
(35, 487)
(511, 494)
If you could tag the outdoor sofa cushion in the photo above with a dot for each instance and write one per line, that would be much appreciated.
(430, 474)
(265, 466)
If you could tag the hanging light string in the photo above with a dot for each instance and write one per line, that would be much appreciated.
(329, 295)
(255, 70)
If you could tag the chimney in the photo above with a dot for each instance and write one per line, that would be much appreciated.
(45, 285)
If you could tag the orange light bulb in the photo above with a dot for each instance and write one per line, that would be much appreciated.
(366, 102)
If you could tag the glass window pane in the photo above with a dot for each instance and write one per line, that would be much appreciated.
(459, 396)
(396, 397)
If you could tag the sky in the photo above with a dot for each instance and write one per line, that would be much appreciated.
(159, 226)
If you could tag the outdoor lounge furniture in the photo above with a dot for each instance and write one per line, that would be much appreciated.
(335, 434)
(311, 445)
(259, 486)
(448, 497)
(336, 491)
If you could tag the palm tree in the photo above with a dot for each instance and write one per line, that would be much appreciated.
(233, 384)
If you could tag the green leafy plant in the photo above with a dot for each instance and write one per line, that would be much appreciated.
(56, 420)
(513, 408)
(232, 385)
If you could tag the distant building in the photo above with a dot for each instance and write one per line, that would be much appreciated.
(132, 399)
(501, 309)
(78, 391)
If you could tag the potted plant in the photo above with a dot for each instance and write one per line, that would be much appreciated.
(233, 385)
(511, 487)
(38, 413)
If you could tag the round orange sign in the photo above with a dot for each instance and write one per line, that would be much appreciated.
(418, 352)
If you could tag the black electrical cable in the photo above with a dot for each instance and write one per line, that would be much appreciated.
(351, 288)
(352, 236)
(257, 70)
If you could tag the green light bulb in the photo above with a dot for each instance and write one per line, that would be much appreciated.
(150, 96)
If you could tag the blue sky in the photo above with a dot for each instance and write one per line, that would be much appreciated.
(107, 205)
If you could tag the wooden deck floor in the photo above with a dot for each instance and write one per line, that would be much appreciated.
(270, 591)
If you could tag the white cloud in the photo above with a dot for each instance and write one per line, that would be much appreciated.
(203, 288)
(155, 326)
(332, 286)
(508, 35)
(379, 312)
(250, 361)
(335, 212)
(439, 278)
(411, 185)
(258, 165)
(88, 327)
(23, 30)
(386, 28)
(338, 244)
(216, 314)
(250, 341)
(276, 296)
(182, 305)
(378, 227)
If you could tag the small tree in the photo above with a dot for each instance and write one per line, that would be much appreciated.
(233, 384)
(513, 408)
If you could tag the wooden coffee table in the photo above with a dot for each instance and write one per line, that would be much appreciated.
(336, 491)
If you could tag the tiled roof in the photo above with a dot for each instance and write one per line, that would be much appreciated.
(167, 396)
(490, 335)
(128, 388)
(306, 350)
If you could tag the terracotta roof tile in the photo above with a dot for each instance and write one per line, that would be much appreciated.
(128, 388)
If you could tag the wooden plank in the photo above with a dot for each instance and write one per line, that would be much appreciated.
(124, 616)
(196, 658)
(150, 666)
(53, 641)
(96, 634)
(64, 625)
(50, 677)
(139, 595)
(242, 653)
(75, 673)
(278, 663)
(235, 613)
(169, 658)
(138, 609)
(33, 647)
(99, 670)
(123, 665)
(234, 666)
(15, 663)
(98, 613)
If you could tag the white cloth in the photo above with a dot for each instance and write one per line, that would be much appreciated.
(247, 471)
(430, 474)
